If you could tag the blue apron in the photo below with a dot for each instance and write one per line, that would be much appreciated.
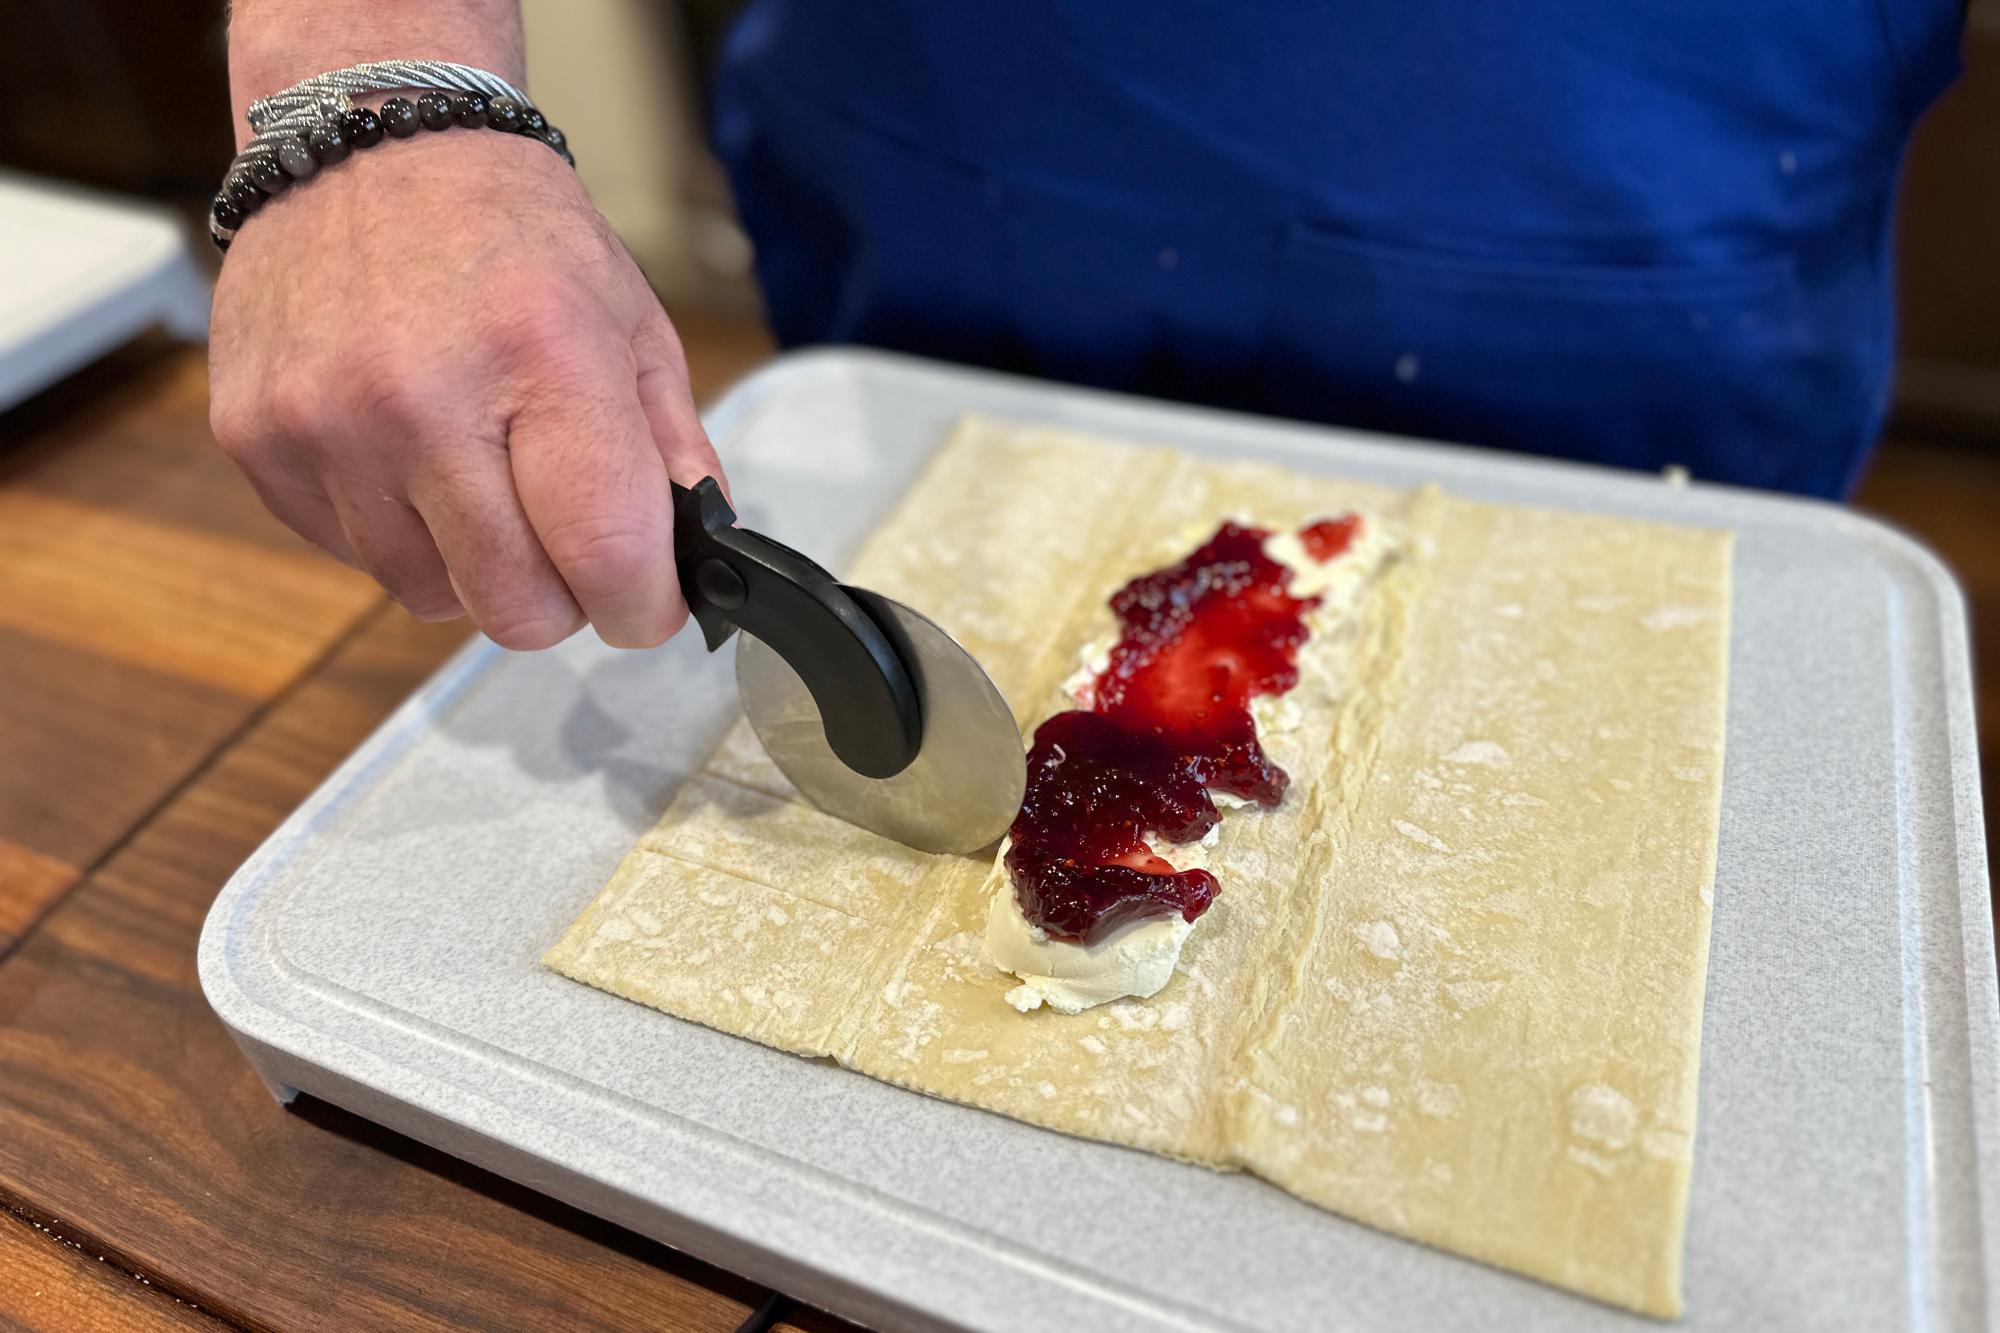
(1646, 233)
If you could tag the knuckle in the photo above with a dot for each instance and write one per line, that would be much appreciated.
(601, 555)
(234, 426)
(426, 599)
(381, 388)
(420, 586)
(529, 629)
(664, 340)
(297, 409)
(546, 325)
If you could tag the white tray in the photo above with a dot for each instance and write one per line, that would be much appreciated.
(82, 272)
(380, 952)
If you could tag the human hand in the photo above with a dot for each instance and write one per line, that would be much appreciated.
(436, 361)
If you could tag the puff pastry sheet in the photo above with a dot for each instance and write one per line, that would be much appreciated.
(1451, 988)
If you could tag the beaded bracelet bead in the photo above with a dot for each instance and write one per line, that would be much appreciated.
(299, 156)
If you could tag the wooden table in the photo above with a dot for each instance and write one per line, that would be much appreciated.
(176, 673)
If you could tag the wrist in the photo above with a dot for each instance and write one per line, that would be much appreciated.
(276, 43)
(320, 122)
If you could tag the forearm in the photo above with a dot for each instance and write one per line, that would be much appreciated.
(275, 43)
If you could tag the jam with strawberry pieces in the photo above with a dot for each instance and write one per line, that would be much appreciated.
(1169, 722)
(1079, 857)
(1330, 537)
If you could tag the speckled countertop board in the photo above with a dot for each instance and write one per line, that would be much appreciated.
(380, 952)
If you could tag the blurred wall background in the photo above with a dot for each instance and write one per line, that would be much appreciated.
(1948, 245)
(130, 95)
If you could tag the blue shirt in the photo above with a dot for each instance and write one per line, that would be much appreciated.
(1646, 233)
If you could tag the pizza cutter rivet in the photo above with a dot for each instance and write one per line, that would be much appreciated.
(720, 584)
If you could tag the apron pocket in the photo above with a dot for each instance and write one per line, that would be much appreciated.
(1708, 366)
(1137, 293)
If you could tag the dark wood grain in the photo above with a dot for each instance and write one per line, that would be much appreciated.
(31, 882)
(51, 1284)
(132, 1119)
(192, 597)
(91, 744)
(129, 435)
(148, 607)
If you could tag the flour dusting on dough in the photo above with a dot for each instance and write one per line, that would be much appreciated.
(1472, 994)
(1486, 753)
(1381, 939)
(1590, 1161)
(1603, 1115)
(1422, 837)
(1439, 1101)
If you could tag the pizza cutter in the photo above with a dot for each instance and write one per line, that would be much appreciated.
(875, 713)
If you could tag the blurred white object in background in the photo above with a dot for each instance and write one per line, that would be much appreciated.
(82, 273)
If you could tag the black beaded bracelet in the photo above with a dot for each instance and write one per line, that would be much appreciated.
(300, 156)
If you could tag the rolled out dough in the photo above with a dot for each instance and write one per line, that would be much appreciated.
(1451, 988)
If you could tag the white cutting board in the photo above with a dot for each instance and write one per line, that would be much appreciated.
(380, 952)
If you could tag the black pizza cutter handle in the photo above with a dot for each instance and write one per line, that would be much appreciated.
(736, 579)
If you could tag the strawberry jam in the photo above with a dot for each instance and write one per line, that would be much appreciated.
(1169, 721)
(1330, 536)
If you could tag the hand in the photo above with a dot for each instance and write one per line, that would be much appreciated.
(436, 361)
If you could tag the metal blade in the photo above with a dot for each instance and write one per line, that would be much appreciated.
(964, 787)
